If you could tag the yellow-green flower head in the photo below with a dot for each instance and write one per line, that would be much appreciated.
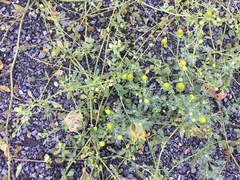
(191, 96)
(201, 22)
(144, 77)
(182, 63)
(179, 32)
(180, 87)
(124, 76)
(164, 41)
(119, 137)
(200, 41)
(146, 101)
(130, 77)
(208, 14)
(108, 111)
(184, 68)
(202, 120)
(101, 143)
(166, 85)
(110, 126)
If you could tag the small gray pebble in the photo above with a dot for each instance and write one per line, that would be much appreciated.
(41, 55)
(64, 23)
(34, 133)
(4, 171)
(93, 21)
(79, 28)
(45, 33)
(37, 137)
(184, 169)
(20, 92)
(34, 15)
(146, 148)
(193, 171)
(28, 37)
(130, 176)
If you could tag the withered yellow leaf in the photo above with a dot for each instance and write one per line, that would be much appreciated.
(137, 132)
(47, 158)
(4, 147)
(18, 9)
(58, 73)
(5, 1)
(55, 52)
(5, 88)
(59, 43)
(73, 120)
(86, 176)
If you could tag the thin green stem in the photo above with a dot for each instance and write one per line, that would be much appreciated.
(74, 159)
(114, 177)
(199, 151)
(163, 10)
(227, 143)
(12, 90)
(160, 155)
(189, 79)
(124, 107)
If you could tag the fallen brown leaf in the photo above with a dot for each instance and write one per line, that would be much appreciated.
(5, 177)
(132, 20)
(1, 65)
(72, 120)
(216, 94)
(18, 148)
(187, 151)
(15, 89)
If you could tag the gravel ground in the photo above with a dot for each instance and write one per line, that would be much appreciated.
(29, 75)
